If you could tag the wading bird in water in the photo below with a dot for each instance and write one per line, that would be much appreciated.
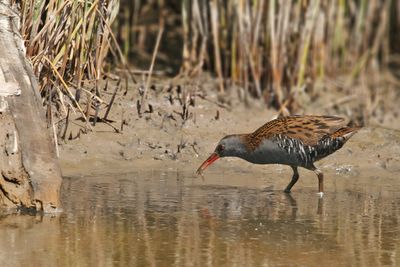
(297, 141)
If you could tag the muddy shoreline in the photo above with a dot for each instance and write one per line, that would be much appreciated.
(182, 125)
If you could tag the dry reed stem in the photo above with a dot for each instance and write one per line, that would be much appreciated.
(54, 134)
(215, 30)
(120, 54)
(70, 40)
(153, 59)
(304, 51)
(281, 46)
(111, 101)
(67, 89)
(269, 48)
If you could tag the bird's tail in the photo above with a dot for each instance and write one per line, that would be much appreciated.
(346, 132)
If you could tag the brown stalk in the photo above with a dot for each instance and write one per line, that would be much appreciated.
(66, 88)
(111, 101)
(121, 55)
(215, 29)
(64, 135)
(153, 59)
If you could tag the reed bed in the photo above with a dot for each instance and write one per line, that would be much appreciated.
(275, 50)
(68, 43)
(278, 49)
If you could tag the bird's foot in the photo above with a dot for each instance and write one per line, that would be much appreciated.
(287, 191)
(320, 194)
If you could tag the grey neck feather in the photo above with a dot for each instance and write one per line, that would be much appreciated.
(234, 147)
(268, 152)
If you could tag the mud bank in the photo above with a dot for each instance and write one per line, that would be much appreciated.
(182, 125)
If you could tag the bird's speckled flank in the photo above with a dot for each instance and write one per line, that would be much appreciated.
(308, 129)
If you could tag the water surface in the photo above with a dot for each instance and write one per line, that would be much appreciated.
(173, 219)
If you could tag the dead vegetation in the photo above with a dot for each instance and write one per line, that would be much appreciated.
(278, 50)
(287, 53)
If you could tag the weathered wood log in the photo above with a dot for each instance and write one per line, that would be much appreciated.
(30, 177)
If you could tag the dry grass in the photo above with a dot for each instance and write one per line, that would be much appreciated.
(278, 49)
(274, 50)
(68, 42)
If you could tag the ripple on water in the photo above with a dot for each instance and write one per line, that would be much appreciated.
(152, 218)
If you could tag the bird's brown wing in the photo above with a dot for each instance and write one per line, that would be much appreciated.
(309, 128)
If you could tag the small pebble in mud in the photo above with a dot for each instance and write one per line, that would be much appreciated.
(217, 115)
(344, 169)
(158, 157)
(124, 156)
(382, 164)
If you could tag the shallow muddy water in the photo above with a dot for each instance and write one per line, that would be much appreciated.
(176, 219)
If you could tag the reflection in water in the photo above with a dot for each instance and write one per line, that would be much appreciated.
(171, 220)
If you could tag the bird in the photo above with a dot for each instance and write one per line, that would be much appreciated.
(296, 141)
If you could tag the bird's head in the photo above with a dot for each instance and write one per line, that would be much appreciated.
(229, 146)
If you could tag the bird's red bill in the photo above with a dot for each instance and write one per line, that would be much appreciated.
(213, 157)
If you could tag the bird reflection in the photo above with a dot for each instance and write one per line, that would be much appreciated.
(320, 206)
(166, 221)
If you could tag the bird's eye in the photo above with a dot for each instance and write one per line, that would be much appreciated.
(220, 148)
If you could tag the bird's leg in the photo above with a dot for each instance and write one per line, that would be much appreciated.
(320, 176)
(295, 177)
